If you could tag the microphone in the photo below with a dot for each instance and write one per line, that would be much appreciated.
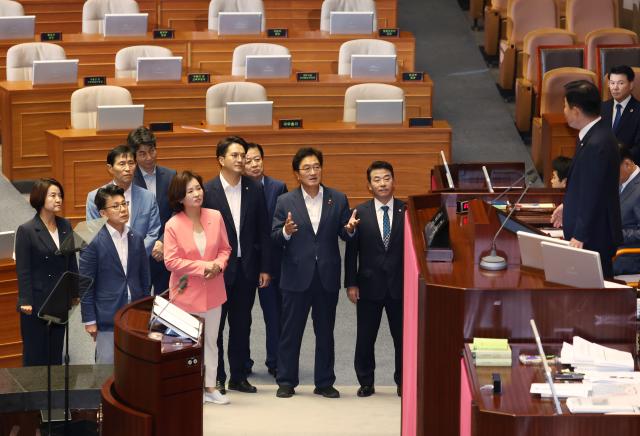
(487, 179)
(182, 284)
(492, 261)
(531, 173)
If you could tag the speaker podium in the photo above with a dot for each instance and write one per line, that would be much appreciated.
(156, 388)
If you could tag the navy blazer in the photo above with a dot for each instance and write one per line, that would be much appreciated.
(628, 131)
(630, 211)
(591, 211)
(108, 293)
(254, 228)
(164, 176)
(305, 248)
(37, 266)
(377, 271)
(273, 188)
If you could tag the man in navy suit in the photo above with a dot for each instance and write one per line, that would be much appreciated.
(373, 268)
(630, 211)
(622, 112)
(144, 217)
(590, 212)
(116, 262)
(270, 298)
(240, 200)
(306, 224)
(156, 179)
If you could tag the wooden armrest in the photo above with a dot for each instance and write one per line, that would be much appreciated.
(623, 251)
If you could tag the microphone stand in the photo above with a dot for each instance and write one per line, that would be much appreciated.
(503, 193)
(493, 261)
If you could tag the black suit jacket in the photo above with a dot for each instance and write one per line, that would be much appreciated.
(255, 244)
(163, 180)
(305, 248)
(367, 265)
(37, 266)
(273, 188)
(591, 212)
(630, 211)
(628, 131)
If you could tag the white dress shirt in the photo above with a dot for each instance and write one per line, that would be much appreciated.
(234, 199)
(149, 180)
(631, 177)
(380, 214)
(585, 129)
(55, 236)
(623, 103)
(314, 209)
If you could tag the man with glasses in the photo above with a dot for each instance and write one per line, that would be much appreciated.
(306, 224)
(156, 179)
(240, 200)
(116, 262)
(144, 216)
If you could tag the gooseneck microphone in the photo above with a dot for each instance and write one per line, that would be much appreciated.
(531, 173)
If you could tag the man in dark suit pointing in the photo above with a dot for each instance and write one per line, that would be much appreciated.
(374, 273)
(590, 213)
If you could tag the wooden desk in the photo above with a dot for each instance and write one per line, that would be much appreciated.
(516, 412)
(10, 337)
(458, 301)
(207, 52)
(66, 15)
(558, 139)
(27, 111)
(78, 156)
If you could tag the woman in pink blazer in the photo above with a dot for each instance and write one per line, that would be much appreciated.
(196, 244)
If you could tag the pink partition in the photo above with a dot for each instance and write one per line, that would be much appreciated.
(410, 334)
(465, 401)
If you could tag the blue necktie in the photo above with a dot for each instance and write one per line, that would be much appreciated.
(386, 226)
(616, 120)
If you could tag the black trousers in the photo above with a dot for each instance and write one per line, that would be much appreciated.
(369, 315)
(295, 311)
(35, 341)
(240, 298)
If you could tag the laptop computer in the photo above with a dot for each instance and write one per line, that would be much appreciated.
(373, 66)
(58, 71)
(125, 24)
(239, 23)
(379, 111)
(530, 250)
(267, 66)
(7, 242)
(21, 27)
(249, 113)
(119, 117)
(159, 68)
(574, 267)
(343, 23)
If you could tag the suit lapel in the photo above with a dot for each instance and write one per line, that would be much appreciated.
(629, 189)
(628, 113)
(130, 252)
(372, 216)
(138, 179)
(109, 246)
(135, 207)
(244, 201)
(221, 200)
(398, 216)
(44, 235)
(327, 207)
(300, 209)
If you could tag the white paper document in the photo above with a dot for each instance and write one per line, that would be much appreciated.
(591, 356)
(609, 404)
(563, 390)
(177, 319)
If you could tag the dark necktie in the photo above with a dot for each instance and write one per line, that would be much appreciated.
(616, 120)
(386, 226)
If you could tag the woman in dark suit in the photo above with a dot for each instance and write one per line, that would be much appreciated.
(39, 269)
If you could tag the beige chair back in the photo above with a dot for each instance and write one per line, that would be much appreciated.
(608, 36)
(539, 38)
(20, 58)
(85, 102)
(241, 52)
(369, 91)
(584, 16)
(362, 47)
(9, 8)
(93, 12)
(216, 6)
(127, 58)
(329, 6)
(219, 94)
(552, 94)
(525, 16)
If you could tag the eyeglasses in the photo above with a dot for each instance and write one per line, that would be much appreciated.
(117, 206)
(309, 168)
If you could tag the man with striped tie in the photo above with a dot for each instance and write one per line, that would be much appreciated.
(374, 273)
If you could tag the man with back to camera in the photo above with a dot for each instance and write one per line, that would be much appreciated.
(270, 298)
(144, 217)
(156, 179)
(373, 268)
(590, 212)
(116, 262)
(240, 200)
(306, 224)
(622, 111)
(630, 213)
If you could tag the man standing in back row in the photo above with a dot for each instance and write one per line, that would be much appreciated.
(590, 212)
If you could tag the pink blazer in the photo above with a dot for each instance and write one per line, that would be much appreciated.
(181, 256)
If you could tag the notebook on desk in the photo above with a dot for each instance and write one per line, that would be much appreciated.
(530, 250)
(58, 71)
(125, 24)
(373, 66)
(119, 117)
(342, 23)
(267, 66)
(239, 23)
(249, 113)
(22, 27)
(379, 112)
(159, 68)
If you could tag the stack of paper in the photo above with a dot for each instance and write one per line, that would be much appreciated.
(491, 352)
(587, 356)
(609, 404)
(563, 390)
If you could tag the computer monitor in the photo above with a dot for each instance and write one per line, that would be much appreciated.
(530, 250)
(373, 66)
(58, 71)
(239, 23)
(159, 68)
(343, 23)
(267, 66)
(249, 113)
(7, 241)
(21, 27)
(125, 24)
(119, 117)
(379, 111)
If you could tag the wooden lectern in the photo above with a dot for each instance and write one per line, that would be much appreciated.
(156, 388)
